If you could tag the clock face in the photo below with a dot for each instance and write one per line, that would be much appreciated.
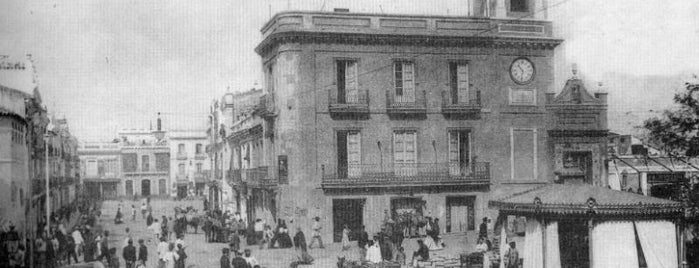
(522, 71)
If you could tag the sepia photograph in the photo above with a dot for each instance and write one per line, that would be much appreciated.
(349, 134)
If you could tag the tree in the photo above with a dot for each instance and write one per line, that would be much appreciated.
(677, 130)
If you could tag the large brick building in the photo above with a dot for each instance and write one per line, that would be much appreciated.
(369, 116)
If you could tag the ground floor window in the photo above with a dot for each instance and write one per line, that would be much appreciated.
(162, 187)
(129, 187)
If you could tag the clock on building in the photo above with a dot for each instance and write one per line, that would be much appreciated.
(522, 71)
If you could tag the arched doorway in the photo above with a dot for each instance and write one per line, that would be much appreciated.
(145, 187)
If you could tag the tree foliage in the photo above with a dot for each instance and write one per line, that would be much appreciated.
(677, 130)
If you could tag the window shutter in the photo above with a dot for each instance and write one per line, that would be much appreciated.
(398, 80)
(408, 82)
(354, 154)
(351, 86)
(454, 168)
(462, 82)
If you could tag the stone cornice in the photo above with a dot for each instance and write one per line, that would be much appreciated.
(306, 37)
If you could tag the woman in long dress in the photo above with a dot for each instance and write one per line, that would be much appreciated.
(373, 254)
(171, 256)
(345, 238)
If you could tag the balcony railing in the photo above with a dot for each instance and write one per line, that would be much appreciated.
(353, 103)
(450, 105)
(181, 156)
(265, 106)
(406, 104)
(200, 156)
(406, 175)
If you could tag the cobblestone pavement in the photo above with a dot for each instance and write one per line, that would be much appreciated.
(202, 254)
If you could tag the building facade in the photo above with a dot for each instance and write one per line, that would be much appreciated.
(101, 173)
(14, 174)
(190, 167)
(145, 163)
(370, 117)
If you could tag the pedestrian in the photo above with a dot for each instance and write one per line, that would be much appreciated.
(162, 250)
(163, 226)
(170, 257)
(128, 237)
(483, 229)
(142, 253)
(238, 261)
(112, 259)
(78, 239)
(144, 209)
(373, 254)
(155, 227)
(511, 257)
(19, 258)
(70, 249)
(149, 220)
(182, 261)
(171, 229)
(234, 243)
(316, 233)
(267, 236)
(225, 260)
(251, 260)
(362, 242)
(104, 246)
(40, 246)
(180, 241)
(129, 255)
(300, 240)
(259, 230)
(133, 213)
(422, 253)
(345, 238)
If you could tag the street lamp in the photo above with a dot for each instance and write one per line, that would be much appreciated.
(48, 184)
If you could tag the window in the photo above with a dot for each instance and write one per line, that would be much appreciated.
(459, 152)
(270, 78)
(522, 96)
(180, 149)
(458, 76)
(145, 163)
(347, 88)
(405, 153)
(128, 162)
(91, 168)
(523, 148)
(404, 82)
(519, 6)
(349, 153)
(180, 169)
(101, 168)
(197, 148)
(162, 161)
(199, 167)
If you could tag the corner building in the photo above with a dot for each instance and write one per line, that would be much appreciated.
(374, 115)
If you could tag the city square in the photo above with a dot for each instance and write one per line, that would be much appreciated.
(349, 134)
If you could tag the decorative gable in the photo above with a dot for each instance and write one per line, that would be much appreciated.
(575, 92)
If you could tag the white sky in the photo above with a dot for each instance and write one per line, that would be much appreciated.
(108, 64)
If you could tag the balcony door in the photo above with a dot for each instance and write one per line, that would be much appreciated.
(405, 153)
(347, 86)
(459, 153)
(458, 73)
(349, 154)
(404, 82)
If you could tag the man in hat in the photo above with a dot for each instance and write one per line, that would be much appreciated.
(129, 254)
(316, 233)
(225, 261)
(238, 261)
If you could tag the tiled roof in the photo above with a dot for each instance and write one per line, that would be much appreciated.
(576, 199)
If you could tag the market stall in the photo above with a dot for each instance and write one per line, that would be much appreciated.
(582, 225)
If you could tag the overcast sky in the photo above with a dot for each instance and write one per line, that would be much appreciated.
(113, 64)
